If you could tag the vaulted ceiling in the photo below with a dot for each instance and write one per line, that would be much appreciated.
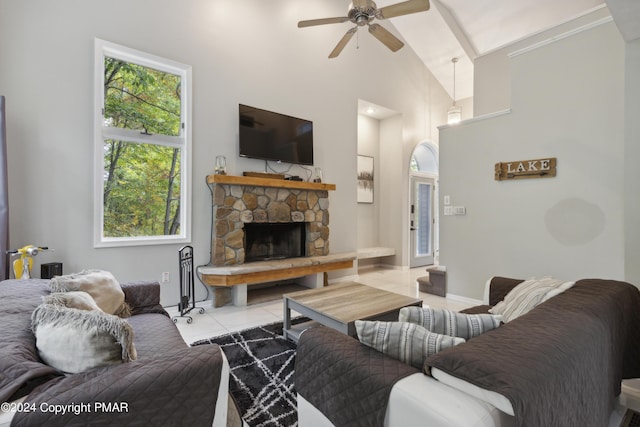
(466, 29)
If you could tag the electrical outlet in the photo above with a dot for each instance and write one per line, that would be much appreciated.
(165, 277)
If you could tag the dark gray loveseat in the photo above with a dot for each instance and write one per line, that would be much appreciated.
(560, 364)
(170, 384)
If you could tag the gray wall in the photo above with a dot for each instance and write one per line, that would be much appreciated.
(241, 51)
(368, 213)
(394, 183)
(631, 161)
(567, 101)
(492, 71)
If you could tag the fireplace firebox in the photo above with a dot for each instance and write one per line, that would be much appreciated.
(268, 241)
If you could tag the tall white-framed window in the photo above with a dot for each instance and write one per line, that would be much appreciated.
(142, 187)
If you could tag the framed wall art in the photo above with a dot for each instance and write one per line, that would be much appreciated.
(365, 179)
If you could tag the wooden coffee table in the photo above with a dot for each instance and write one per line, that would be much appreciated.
(339, 306)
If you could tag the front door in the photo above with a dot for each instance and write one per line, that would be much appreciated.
(422, 221)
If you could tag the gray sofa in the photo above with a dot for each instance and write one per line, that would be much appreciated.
(170, 383)
(560, 364)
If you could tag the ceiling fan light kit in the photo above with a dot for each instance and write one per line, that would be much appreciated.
(364, 12)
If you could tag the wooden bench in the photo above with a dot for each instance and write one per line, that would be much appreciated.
(238, 277)
(373, 253)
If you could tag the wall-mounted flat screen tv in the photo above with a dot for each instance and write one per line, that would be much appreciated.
(272, 136)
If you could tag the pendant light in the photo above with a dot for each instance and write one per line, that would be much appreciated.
(454, 115)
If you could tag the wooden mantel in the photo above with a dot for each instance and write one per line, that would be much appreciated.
(269, 182)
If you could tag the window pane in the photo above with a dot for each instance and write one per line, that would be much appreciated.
(423, 220)
(141, 98)
(141, 189)
(413, 166)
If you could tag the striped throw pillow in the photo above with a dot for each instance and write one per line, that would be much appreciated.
(407, 342)
(527, 295)
(449, 322)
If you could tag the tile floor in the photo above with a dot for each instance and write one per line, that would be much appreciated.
(222, 320)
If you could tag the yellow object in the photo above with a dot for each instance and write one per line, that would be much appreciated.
(22, 266)
(18, 267)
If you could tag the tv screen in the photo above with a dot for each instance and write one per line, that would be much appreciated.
(272, 136)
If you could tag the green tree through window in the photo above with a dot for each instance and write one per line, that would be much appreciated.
(143, 145)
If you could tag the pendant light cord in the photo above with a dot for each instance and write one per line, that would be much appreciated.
(454, 60)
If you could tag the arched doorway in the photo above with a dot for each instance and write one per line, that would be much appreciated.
(423, 210)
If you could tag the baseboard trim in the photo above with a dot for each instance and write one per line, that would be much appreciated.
(343, 279)
(381, 265)
(465, 300)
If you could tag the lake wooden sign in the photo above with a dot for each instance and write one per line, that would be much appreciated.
(524, 169)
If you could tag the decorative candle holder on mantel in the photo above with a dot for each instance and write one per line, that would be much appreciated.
(221, 165)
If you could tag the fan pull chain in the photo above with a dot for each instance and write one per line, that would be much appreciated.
(357, 39)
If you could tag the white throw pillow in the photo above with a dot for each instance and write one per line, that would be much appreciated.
(74, 340)
(101, 285)
(407, 342)
(75, 299)
(448, 322)
(557, 291)
(527, 295)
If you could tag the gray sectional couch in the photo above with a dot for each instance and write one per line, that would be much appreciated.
(170, 383)
(560, 364)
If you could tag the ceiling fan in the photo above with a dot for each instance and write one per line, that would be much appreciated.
(364, 12)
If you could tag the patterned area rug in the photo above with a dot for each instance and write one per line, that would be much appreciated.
(261, 363)
(631, 419)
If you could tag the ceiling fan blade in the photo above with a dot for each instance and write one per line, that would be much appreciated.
(360, 4)
(312, 22)
(388, 39)
(343, 42)
(404, 8)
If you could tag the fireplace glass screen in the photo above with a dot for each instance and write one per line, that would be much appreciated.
(269, 241)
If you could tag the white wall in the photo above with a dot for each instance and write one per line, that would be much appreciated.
(492, 71)
(385, 222)
(631, 162)
(241, 51)
(567, 101)
(394, 167)
(368, 219)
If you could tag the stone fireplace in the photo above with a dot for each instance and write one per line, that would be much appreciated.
(287, 221)
(258, 210)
